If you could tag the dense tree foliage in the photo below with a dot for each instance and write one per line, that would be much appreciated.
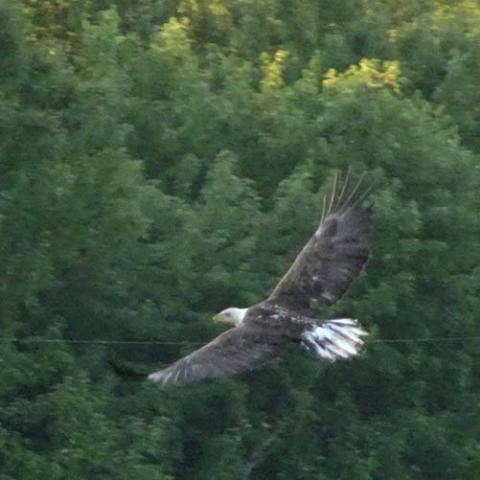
(162, 160)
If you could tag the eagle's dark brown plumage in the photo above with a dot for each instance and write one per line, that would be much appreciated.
(322, 271)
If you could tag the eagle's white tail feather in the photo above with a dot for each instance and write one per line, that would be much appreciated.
(334, 339)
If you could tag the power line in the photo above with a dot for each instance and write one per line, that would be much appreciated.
(427, 339)
(158, 342)
(94, 341)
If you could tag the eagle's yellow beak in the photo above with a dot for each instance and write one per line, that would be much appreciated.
(216, 318)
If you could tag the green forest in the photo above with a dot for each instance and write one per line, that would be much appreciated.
(162, 160)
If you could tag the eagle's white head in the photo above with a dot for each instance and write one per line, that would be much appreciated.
(232, 316)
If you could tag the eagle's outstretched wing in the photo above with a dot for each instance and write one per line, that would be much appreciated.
(334, 256)
(234, 351)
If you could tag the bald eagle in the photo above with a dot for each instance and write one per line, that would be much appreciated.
(321, 273)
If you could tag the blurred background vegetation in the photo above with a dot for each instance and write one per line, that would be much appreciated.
(161, 160)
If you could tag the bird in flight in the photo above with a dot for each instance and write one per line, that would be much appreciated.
(322, 272)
